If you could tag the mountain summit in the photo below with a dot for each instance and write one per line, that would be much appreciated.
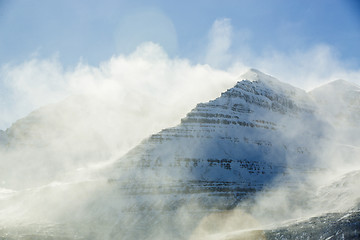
(255, 75)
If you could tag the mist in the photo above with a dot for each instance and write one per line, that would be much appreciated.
(97, 113)
(65, 128)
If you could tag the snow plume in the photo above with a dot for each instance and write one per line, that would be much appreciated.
(145, 75)
(106, 111)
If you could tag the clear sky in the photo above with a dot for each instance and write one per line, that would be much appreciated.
(304, 42)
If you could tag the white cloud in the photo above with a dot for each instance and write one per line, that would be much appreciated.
(30, 85)
(143, 92)
(220, 37)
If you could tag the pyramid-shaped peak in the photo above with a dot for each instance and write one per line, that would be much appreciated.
(262, 80)
(256, 75)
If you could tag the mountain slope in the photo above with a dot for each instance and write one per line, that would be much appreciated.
(339, 101)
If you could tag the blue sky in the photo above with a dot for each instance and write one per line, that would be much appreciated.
(53, 49)
(95, 30)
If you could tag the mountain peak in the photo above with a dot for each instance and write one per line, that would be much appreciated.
(343, 84)
(255, 75)
(337, 86)
(265, 81)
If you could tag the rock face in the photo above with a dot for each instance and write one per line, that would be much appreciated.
(248, 138)
(340, 217)
(329, 226)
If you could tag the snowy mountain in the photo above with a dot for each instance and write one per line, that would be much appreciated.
(275, 151)
(252, 135)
